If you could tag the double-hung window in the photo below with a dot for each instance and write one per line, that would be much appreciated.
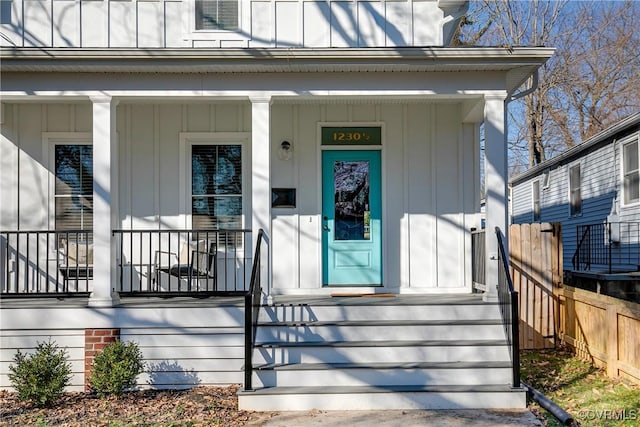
(575, 191)
(216, 186)
(217, 15)
(73, 187)
(631, 173)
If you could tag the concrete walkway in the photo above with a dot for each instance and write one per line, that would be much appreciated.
(458, 418)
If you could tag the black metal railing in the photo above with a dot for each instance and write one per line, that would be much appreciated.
(46, 262)
(478, 259)
(182, 262)
(609, 246)
(581, 259)
(508, 300)
(252, 301)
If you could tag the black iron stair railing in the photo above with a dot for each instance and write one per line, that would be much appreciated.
(508, 300)
(251, 311)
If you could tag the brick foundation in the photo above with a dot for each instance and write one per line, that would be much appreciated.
(94, 341)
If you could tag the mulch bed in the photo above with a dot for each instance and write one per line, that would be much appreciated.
(200, 406)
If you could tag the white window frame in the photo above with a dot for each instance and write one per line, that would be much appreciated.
(189, 24)
(189, 139)
(49, 142)
(536, 184)
(630, 140)
(571, 166)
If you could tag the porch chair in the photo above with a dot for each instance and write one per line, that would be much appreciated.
(192, 263)
(75, 260)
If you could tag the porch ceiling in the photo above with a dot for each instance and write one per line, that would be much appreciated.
(518, 62)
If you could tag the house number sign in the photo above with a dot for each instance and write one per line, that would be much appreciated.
(351, 136)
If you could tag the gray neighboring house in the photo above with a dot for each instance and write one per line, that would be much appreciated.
(589, 186)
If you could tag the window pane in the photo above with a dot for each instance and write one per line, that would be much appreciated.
(632, 187)
(203, 167)
(74, 187)
(536, 201)
(216, 186)
(216, 14)
(574, 188)
(351, 195)
(74, 213)
(228, 177)
(630, 157)
(74, 169)
(217, 212)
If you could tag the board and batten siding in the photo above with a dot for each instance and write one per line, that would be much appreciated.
(430, 178)
(600, 172)
(148, 152)
(25, 165)
(430, 171)
(169, 23)
(182, 346)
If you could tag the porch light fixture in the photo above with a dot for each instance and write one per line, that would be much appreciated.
(286, 150)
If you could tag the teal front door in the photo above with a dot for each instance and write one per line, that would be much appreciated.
(351, 218)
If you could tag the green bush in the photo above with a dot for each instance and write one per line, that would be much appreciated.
(116, 368)
(42, 376)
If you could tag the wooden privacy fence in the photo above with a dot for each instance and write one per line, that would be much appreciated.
(602, 329)
(535, 252)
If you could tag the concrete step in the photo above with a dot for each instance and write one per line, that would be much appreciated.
(376, 351)
(488, 396)
(379, 331)
(382, 374)
(309, 312)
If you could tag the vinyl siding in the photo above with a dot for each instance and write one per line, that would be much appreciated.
(182, 346)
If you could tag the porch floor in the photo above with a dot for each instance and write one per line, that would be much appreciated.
(217, 301)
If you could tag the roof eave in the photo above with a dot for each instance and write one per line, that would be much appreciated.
(265, 59)
(604, 135)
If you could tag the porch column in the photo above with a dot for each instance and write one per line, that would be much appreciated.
(495, 176)
(105, 211)
(261, 180)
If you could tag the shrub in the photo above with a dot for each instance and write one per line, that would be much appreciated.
(42, 376)
(116, 368)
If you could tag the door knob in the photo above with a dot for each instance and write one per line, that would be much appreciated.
(325, 227)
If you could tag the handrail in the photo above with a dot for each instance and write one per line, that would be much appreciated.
(41, 263)
(251, 311)
(576, 258)
(182, 262)
(508, 299)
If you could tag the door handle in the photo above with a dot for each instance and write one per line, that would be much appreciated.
(325, 227)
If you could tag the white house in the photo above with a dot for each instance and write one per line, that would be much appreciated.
(145, 143)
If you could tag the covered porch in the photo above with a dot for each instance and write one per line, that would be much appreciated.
(141, 200)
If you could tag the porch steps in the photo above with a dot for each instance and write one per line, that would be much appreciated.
(372, 353)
